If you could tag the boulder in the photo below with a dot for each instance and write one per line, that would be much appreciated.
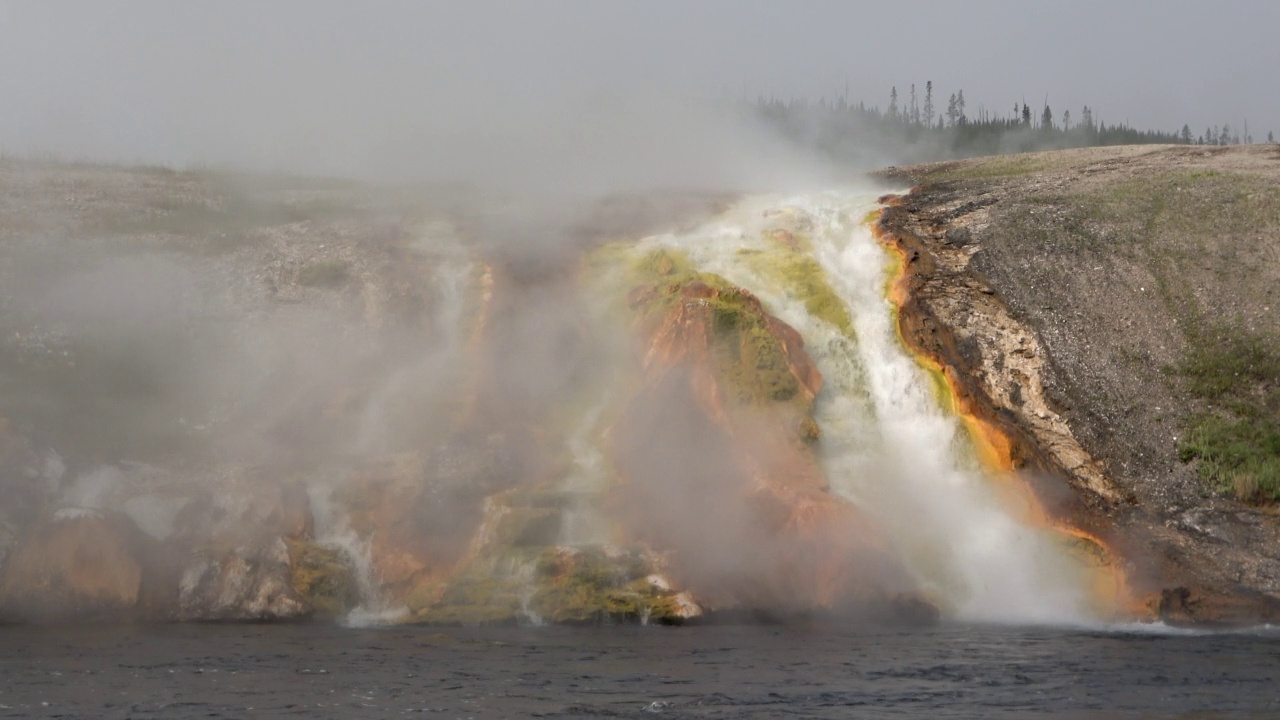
(243, 583)
(77, 565)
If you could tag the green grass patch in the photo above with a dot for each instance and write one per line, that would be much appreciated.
(1237, 442)
(1237, 456)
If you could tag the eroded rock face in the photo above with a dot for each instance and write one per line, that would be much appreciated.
(244, 583)
(78, 565)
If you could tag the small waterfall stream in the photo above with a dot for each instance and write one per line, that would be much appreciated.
(332, 531)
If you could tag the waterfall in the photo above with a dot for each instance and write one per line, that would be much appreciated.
(582, 523)
(888, 444)
(332, 531)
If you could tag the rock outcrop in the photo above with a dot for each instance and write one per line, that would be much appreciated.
(716, 455)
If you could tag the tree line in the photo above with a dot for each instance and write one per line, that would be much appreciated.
(915, 128)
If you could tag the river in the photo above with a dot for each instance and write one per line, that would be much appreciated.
(324, 671)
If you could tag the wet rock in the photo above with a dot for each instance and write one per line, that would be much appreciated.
(241, 584)
(325, 577)
(1198, 605)
(562, 585)
(236, 563)
(1203, 522)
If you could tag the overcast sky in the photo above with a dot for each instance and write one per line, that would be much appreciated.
(346, 84)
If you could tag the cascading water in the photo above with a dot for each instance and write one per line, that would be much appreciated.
(582, 523)
(434, 377)
(332, 530)
(888, 445)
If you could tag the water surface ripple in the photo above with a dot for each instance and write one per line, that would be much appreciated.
(953, 671)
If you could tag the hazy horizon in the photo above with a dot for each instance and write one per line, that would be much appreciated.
(585, 94)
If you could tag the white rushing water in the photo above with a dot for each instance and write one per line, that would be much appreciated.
(332, 531)
(887, 443)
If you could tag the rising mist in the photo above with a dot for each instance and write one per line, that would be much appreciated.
(322, 350)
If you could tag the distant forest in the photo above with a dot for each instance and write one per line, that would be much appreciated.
(916, 127)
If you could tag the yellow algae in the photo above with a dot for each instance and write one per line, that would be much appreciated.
(803, 278)
(325, 577)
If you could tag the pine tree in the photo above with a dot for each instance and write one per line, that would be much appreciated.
(915, 110)
(1186, 134)
(951, 110)
(893, 103)
(1026, 114)
(1046, 118)
(960, 107)
(928, 103)
(1066, 120)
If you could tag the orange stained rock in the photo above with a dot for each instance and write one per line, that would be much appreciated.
(731, 487)
(995, 449)
(786, 237)
(73, 561)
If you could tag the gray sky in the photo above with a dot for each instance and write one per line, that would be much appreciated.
(370, 87)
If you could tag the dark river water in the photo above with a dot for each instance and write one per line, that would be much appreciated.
(243, 671)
